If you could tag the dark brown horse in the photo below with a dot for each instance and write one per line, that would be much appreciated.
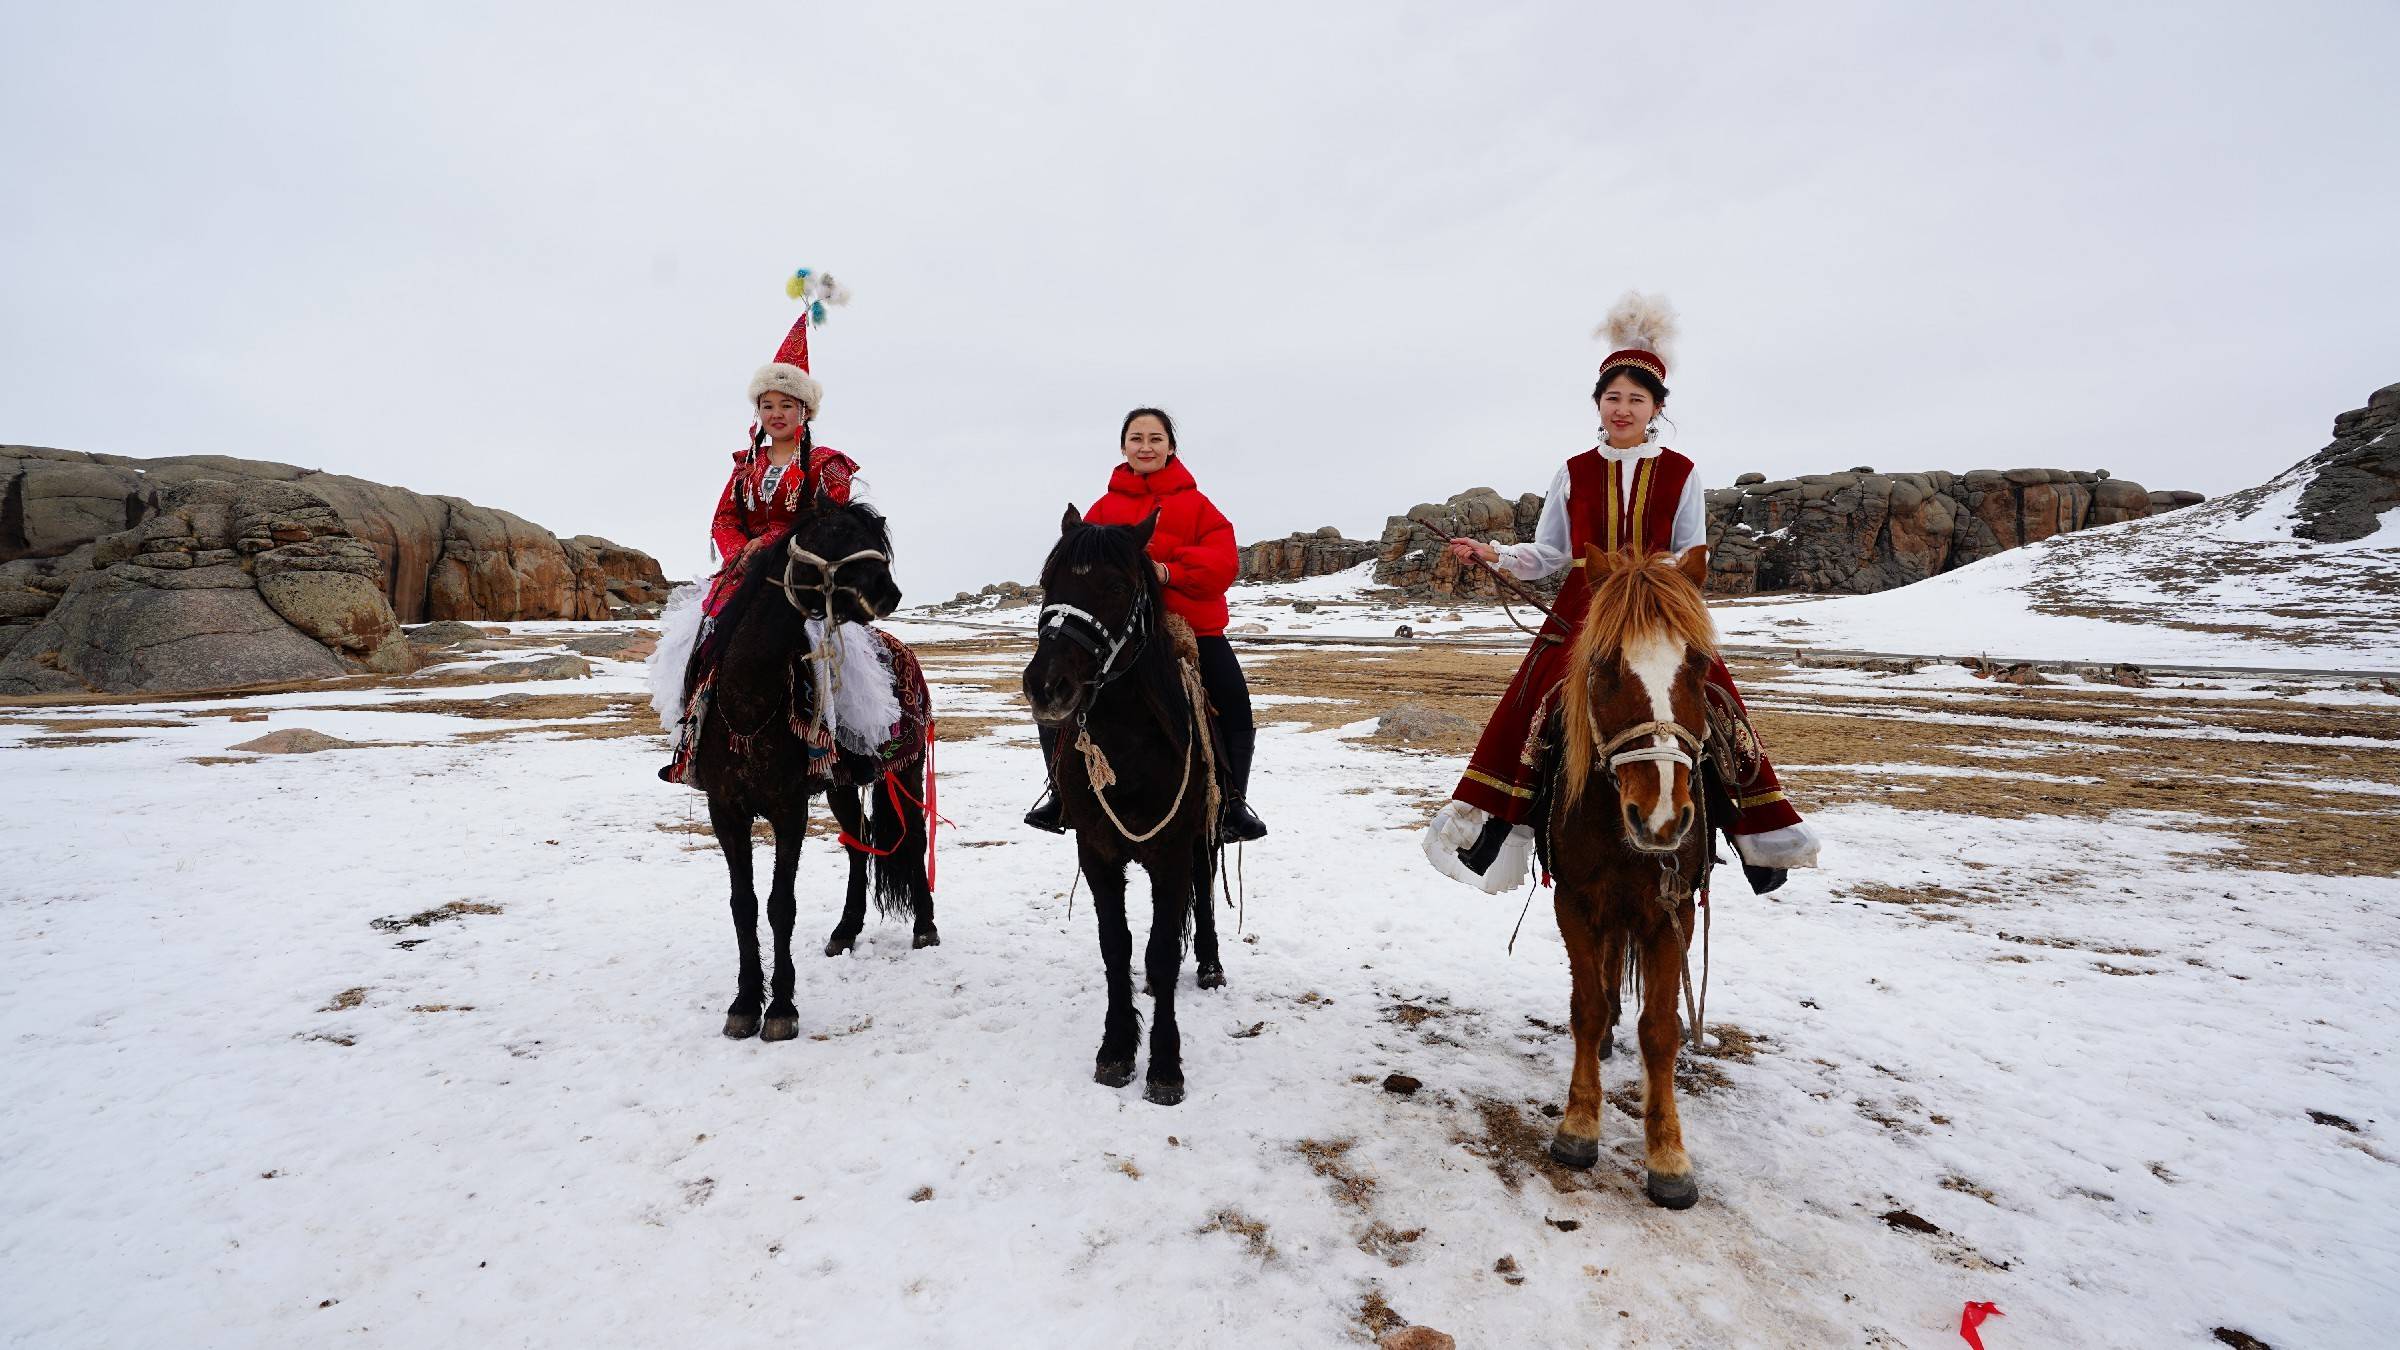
(1104, 675)
(1624, 836)
(754, 761)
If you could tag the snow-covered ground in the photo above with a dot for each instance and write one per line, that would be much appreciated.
(2074, 1074)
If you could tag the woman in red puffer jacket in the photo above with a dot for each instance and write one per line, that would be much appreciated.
(1193, 550)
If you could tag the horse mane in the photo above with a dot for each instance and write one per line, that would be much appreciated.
(1633, 598)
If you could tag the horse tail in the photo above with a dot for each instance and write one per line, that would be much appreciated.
(896, 831)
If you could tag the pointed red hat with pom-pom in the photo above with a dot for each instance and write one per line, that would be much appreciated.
(788, 373)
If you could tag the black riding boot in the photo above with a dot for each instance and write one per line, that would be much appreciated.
(1480, 855)
(1047, 814)
(1229, 695)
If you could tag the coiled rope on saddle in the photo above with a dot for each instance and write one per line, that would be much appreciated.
(1201, 745)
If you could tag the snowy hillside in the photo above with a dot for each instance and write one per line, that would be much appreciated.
(2224, 581)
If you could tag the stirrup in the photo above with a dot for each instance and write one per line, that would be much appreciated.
(1238, 824)
(1047, 815)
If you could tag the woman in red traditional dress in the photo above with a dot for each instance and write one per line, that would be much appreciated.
(1628, 493)
(1197, 559)
(782, 472)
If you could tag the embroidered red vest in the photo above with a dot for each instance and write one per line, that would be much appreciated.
(1600, 514)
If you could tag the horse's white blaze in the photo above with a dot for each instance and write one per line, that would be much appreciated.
(1654, 661)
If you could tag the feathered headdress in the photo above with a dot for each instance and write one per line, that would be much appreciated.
(1641, 328)
(788, 372)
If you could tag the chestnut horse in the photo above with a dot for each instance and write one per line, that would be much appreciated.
(1623, 835)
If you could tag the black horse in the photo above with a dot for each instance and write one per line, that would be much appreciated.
(753, 764)
(1103, 668)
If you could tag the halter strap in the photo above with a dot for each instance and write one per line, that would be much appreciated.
(794, 555)
(1084, 629)
(1672, 754)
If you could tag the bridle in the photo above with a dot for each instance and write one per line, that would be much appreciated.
(1670, 753)
(1084, 629)
(828, 587)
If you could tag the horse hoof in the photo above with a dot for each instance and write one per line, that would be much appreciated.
(1163, 1094)
(837, 944)
(1668, 1192)
(741, 1026)
(1568, 1151)
(780, 1029)
(927, 939)
(1117, 1074)
(1212, 976)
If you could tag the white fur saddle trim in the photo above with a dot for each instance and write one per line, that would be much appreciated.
(1458, 825)
(1792, 846)
(865, 707)
(678, 633)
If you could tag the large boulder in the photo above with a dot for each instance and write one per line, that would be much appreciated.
(436, 557)
(498, 565)
(1863, 531)
(2357, 478)
(225, 583)
(1315, 553)
(633, 577)
(1412, 556)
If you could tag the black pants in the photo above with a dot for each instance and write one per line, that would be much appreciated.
(1229, 694)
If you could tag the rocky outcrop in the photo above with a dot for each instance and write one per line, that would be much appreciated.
(997, 596)
(438, 557)
(222, 583)
(1842, 532)
(1300, 555)
(1862, 531)
(1410, 554)
(636, 583)
(2357, 478)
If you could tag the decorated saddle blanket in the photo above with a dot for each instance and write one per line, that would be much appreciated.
(879, 710)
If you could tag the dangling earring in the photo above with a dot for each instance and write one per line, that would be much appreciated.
(1650, 433)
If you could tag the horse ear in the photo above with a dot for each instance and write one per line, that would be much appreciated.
(1595, 561)
(1693, 563)
(1072, 519)
(1148, 527)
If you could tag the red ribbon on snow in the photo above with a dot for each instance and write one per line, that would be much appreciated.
(1973, 1318)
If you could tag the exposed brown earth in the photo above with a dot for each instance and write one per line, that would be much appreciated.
(2259, 773)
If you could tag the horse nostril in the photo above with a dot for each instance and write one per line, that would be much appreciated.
(1683, 819)
(1633, 817)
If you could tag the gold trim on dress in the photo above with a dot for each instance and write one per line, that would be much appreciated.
(1478, 776)
(1762, 799)
(1641, 504)
(1614, 496)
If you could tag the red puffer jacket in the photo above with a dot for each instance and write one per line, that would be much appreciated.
(1194, 539)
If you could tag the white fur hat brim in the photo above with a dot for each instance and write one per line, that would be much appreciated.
(792, 380)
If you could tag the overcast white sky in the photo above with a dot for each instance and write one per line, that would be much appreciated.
(530, 254)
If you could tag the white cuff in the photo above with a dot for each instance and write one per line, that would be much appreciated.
(1458, 825)
(1791, 846)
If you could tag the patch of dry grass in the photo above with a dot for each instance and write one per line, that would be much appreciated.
(1252, 1233)
(1328, 1158)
